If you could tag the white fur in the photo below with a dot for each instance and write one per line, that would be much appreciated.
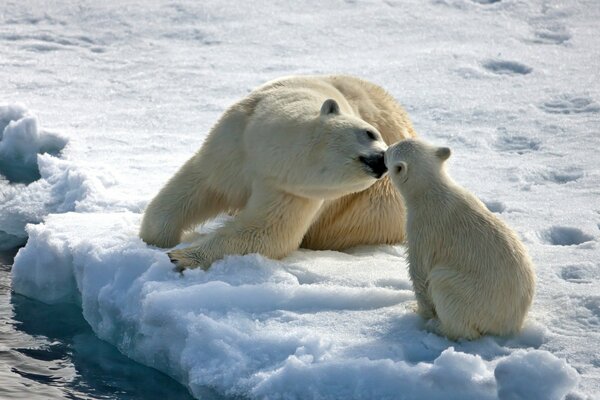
(467, 267)
(279, 159)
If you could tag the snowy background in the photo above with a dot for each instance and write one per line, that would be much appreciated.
(117, 95)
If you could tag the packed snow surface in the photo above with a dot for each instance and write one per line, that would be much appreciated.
(102, 102)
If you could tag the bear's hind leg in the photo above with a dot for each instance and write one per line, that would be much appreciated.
(453, 297)
(371, 217)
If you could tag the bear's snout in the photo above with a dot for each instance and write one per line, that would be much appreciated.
(375, 164)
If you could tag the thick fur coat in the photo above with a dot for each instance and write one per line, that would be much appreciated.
(297, 163)
(470, 272)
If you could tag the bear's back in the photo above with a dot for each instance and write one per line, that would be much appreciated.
(300, 96)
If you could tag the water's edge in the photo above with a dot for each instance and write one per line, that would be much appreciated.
(50, 352)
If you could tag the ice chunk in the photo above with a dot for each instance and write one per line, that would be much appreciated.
(34, 182)
(62, 188)
(535, 374)
(20, 143)
(37, 281)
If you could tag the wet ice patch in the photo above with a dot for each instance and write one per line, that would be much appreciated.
(21, 141)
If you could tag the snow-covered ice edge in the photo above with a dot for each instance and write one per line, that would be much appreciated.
(35, 181)
(316, 325)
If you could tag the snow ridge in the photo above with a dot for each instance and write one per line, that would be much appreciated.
(35, 181)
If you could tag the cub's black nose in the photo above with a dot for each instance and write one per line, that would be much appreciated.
(375, 164)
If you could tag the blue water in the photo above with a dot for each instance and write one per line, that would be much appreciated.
(50, 352)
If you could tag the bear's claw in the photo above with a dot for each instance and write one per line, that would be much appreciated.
(182, 259)
(175, 261)
(178, 258)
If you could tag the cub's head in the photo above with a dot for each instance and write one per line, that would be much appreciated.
(349, 152)
(414, 165)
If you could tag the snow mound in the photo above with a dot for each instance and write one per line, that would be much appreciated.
(62, 187)
(315, 325)
(20, 143)
(40, 183)
(534, 375)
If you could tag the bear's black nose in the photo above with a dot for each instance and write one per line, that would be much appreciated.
(375, 164)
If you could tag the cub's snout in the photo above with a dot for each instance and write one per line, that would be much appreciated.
(375, 164)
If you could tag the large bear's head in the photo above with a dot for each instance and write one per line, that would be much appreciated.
(313, 147)
(347, 153)
(415, 166)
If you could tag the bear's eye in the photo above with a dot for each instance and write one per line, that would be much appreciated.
(371, 135)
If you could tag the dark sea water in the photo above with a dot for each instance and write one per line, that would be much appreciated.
(50, 352)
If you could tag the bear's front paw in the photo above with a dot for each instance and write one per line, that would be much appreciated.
(183, 258)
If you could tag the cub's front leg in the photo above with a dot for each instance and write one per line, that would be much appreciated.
(425, 307)
(420, 280)
(272, 224)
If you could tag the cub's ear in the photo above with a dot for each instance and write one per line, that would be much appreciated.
(443, 153)
(330, 106)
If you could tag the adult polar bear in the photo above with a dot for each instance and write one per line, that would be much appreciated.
(297, 162)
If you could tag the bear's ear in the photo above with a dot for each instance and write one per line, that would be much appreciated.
(330, 106)
(443, 153)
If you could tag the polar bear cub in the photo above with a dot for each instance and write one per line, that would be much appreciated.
(467, 267)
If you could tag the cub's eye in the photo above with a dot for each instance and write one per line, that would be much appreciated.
(399, 168)
(371, 135)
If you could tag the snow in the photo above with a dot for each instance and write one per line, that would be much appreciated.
(525, 375)
(318, 324)
(511, 86)
(35, 182)
(21, 142)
